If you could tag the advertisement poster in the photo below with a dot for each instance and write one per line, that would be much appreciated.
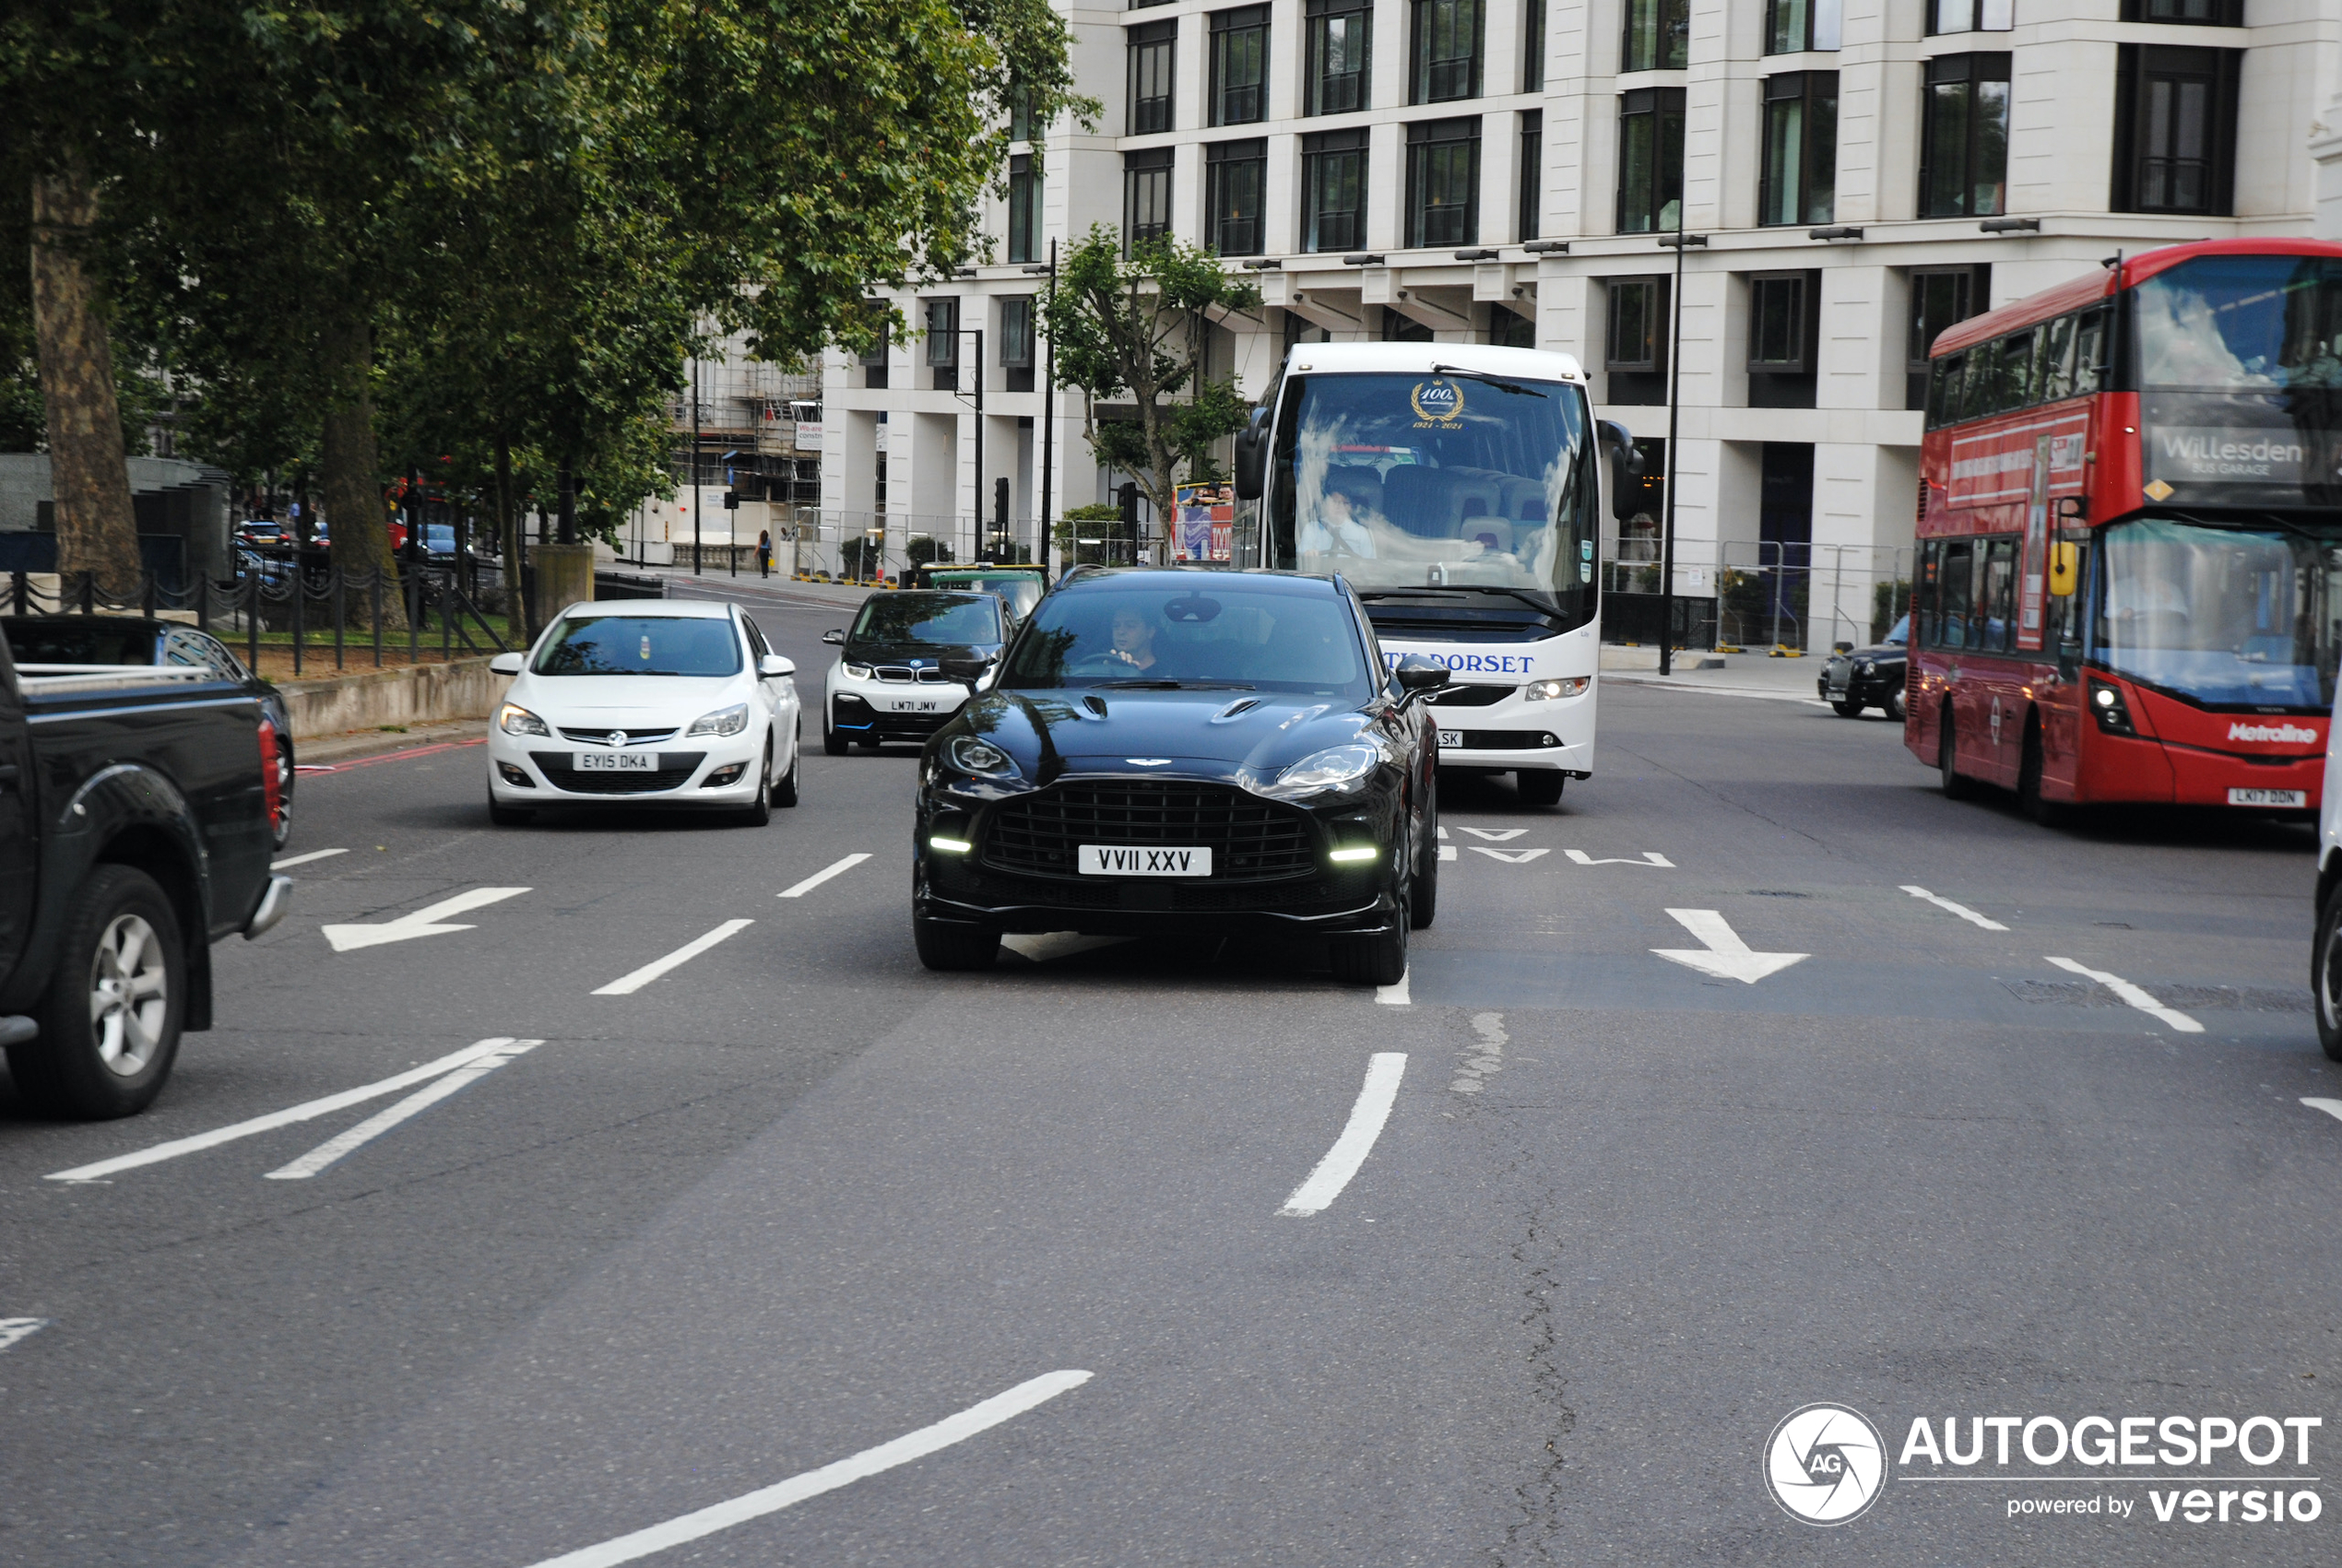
(1207, 523)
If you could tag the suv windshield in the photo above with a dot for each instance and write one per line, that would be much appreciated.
(2229, 617)
(641, 645)
(1284, 638)
(1019, 590)
(941, 620)
(1439, 482)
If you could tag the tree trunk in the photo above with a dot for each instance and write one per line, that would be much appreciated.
(351, 476)
(97, 531)
(508, 541)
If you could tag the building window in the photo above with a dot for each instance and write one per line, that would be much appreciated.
(1400, 328)
(1940, 296)
(1234, 173)
(1240, 65)
(2186, 13)
(1533, 47)
(1793, 26)
(1150, 49)
(1333, 190)
(1970, 15)
(1146, 196)
(1340, 50)
(1801, 148)
(1635, 344)
(1443, 183)
(943, 343)
(1446, 50)
(1025, 210)
(1019, 113)
(874, 363)
(1533, 169)
(2176, 129)
(1507, 330)
(1658, 36)
(1650, 159)
(1782, 312)
(1017, 344)
(1963, 164)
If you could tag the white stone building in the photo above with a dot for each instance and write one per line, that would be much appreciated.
(1862, 171)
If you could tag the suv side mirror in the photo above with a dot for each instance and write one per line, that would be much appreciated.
(1626, 464)
(1252, 455)
(964, 670)
(834, 638)
(1420, 674)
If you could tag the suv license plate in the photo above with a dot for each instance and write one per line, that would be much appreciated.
(1451, 737)
(1118, 860)
(2268, 797)
(615, 761)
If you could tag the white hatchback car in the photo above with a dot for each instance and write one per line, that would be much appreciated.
(665, 703)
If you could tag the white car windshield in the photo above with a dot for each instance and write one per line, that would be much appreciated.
(641, 645)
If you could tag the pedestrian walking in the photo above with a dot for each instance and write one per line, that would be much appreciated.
(764, 553)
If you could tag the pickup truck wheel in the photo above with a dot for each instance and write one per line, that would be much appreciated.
(1847, 710)
(109, 1022)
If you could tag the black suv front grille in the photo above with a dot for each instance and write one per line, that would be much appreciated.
(1252, 840)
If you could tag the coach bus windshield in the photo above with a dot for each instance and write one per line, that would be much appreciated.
(2227, 617)
(1454, 481)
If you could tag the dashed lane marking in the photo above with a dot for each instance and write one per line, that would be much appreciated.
(1349, 1151)
(336, 1148)
(1446, 851)
(284, 1118)
(1650, 857)
(1509, 857)
(818, 877)
(627, 985)
(17, 1331)
(1488, 1056)
(2130, 994)
(1959, 909)
(305, 859)
(828, 1478)
(2331, 1107)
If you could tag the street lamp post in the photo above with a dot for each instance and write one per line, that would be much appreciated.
(1679, 240)
(1048, 413)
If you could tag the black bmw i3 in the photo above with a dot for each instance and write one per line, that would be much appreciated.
(1185, 750)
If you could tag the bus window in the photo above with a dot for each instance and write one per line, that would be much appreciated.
(2057, 361)
(1957, 591)
(1997, 607)
(1943, 390)
(1926, 613)
(2089, 351)
(2014, 388)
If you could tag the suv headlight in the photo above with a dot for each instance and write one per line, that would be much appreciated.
(517, 720)
(1337, 767)
(857, 672)
(976, 756)
(723, 721)
(1546, 690)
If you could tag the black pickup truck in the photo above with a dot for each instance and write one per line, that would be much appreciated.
(136, 830)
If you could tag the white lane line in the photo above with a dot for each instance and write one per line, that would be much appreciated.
(2132, 994)
(1446, 851)
(381, 1121)
(305, 859)
(275, 1119)
(1349, 1151)
(1488, 1056)
(828, 1478)
(1650, 857)
(818, 877)
(2331, 1107)
(626, 984)
(1959, 909)
(16, 1330)
(1396, 994)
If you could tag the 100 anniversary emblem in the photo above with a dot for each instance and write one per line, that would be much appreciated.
(1438, 402)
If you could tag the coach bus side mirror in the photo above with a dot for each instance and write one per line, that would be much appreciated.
(1626, 464)
(1252, 455)
(2066, 569)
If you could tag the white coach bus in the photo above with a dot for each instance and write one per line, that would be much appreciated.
(1456, 486)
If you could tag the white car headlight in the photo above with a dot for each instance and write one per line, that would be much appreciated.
(1546, 690)
(857, 672)
(723, 721)
(1337, 767)
(517, 720)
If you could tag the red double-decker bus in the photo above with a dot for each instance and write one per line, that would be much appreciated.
(2130, 578)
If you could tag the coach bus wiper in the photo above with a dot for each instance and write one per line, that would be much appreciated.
(1525, 595)
(1514, 387)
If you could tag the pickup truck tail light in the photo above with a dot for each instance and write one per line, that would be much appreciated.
(272, 786)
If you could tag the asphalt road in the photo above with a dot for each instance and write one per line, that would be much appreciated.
(796, 1199)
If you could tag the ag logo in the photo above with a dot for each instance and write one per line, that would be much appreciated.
(1826, 1464)
(1441, 400)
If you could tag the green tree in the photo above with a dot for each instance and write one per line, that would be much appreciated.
(1139, 327)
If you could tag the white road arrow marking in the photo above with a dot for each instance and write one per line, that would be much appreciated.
(1509, 857)
(424, 922)
(1650, 858)
(2331, 1107)
(13, 1329)
(2130, 994)
(1725, 956)
(1496, 835)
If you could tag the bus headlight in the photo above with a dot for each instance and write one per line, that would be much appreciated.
(1546, 690)
(2113, 713)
